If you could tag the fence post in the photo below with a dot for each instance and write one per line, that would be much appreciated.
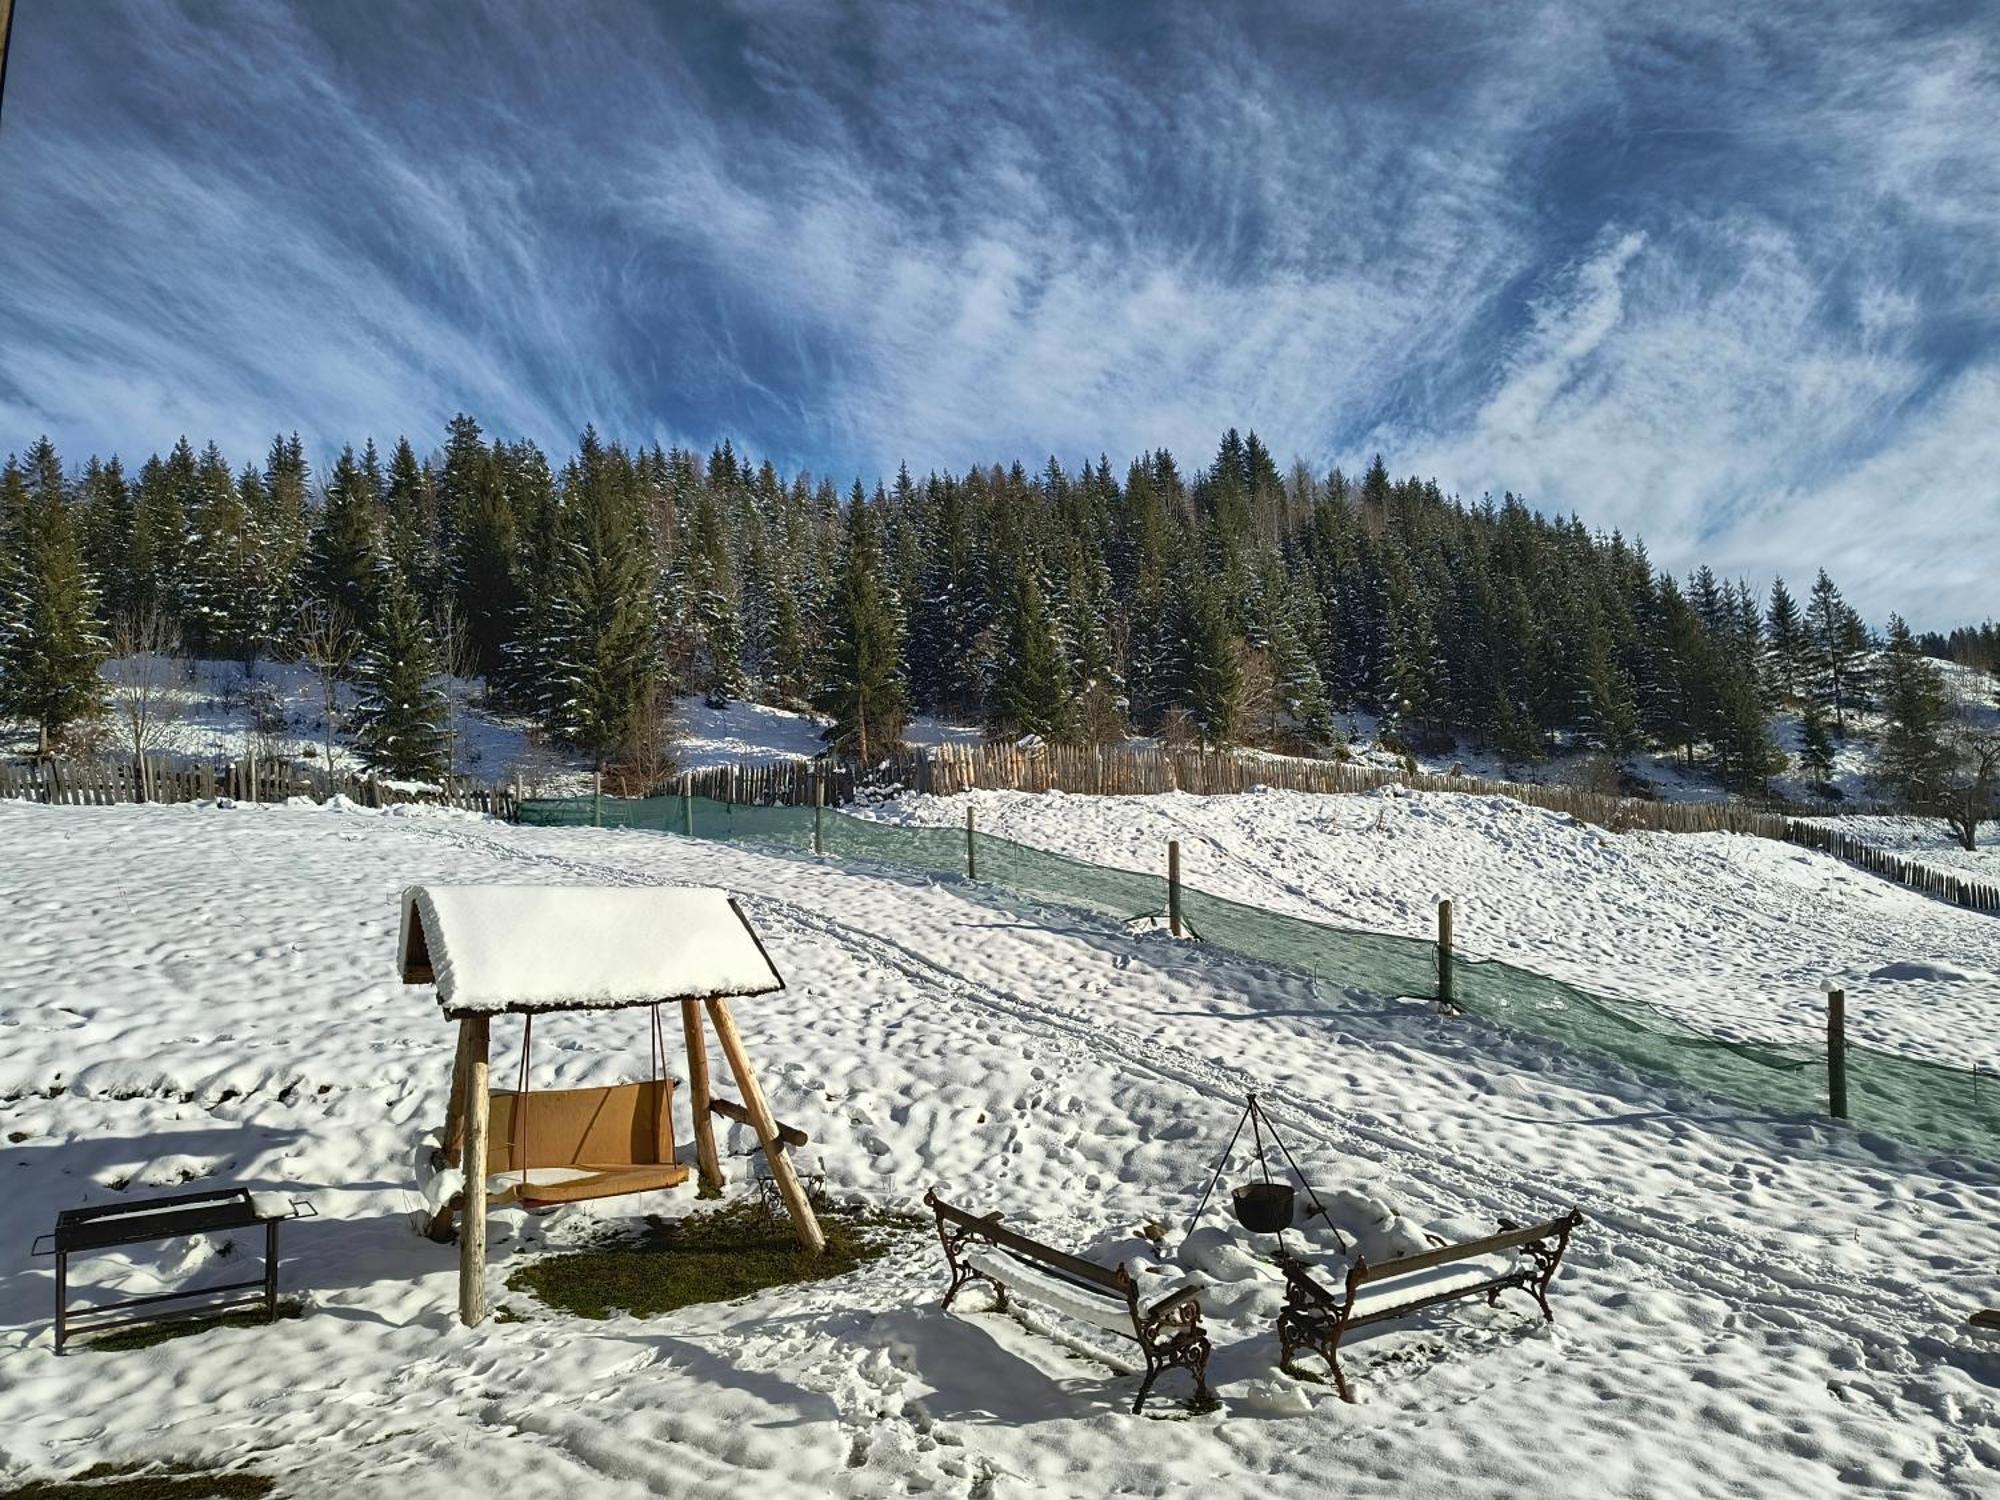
(971, 854)
(1174, 886)
(1836, 1052)
(687, 807)
(1447, 997)
(819, 816)
(596, 799)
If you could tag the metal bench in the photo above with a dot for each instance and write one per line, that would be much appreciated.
(1167, 1330)
(1316, 1318)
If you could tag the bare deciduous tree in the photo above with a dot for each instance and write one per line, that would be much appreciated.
(1970, 790)
(458, 660)
(327, 644)
(148, 676)
(647, 762)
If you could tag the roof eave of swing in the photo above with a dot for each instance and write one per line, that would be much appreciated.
(528, 950)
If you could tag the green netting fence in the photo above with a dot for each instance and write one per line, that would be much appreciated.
(1920, 1103)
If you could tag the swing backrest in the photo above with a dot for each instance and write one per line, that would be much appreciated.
(622, 1125)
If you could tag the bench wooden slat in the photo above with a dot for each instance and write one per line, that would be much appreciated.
(1507, 1239)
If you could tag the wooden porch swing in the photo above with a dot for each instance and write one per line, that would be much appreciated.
(527, 950)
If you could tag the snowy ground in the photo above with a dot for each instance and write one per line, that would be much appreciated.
(1758, 1306)
(1734, 933)
(1928, 841)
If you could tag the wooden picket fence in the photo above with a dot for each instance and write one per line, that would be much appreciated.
(1946, 885)
(177, 779)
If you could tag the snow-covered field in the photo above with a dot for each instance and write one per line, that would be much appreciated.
(1757, 1306)
(1733, 933)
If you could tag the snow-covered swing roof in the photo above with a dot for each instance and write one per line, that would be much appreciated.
(531, 948)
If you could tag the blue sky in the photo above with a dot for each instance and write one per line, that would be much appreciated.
(1724, 275)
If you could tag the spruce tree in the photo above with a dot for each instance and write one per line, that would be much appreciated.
(1030, 693)
(1787, 652)
(411, 522)
(712, 603)
(478, 539)
(1815, 748)
(107, 520)
(1839, 644)
(159, 529)
(861, 689)
(1913, 762)
(1213, 690)
(50, 644)
(400, 710)
(601, 659)
(221, 598)
(346, 546)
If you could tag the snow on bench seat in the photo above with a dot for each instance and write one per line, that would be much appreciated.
(1392, 1290)
(1053, 1292)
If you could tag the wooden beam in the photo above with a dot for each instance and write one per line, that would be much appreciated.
(706, 1157)
(472, 1223)
(454, 1107)
(729, 1109)
(804, 1225)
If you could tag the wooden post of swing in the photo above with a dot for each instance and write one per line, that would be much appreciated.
(811, 1239)
(1447, 996)
(699, 1095)
(1836, 1053)
(971, 854)
(473, 1039)
(1174, 886)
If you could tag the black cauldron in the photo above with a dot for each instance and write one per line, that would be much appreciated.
(1264, 1207)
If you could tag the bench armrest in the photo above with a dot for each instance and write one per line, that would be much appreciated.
(1173, 1300)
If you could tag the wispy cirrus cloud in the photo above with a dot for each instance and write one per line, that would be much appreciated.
(1725, 278)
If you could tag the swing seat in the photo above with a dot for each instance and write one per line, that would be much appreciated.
(579, 1144)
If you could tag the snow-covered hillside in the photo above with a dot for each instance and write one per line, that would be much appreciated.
(1731, 932)
(217, 709)
(1756, 1306)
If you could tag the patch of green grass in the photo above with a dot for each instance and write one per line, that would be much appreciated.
(146, 1335)
(172, 1481)
(712, 1255)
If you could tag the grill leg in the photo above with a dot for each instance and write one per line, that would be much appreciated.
(271, 1272)
(62, 1299)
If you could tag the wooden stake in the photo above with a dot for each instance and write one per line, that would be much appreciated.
(1174, 886)
(819, 814)
(1446, 996)
(971, 854)
(596, 799)
(699, 1096)
(472, 1217)
(811, 1239)
(1836, 1053)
